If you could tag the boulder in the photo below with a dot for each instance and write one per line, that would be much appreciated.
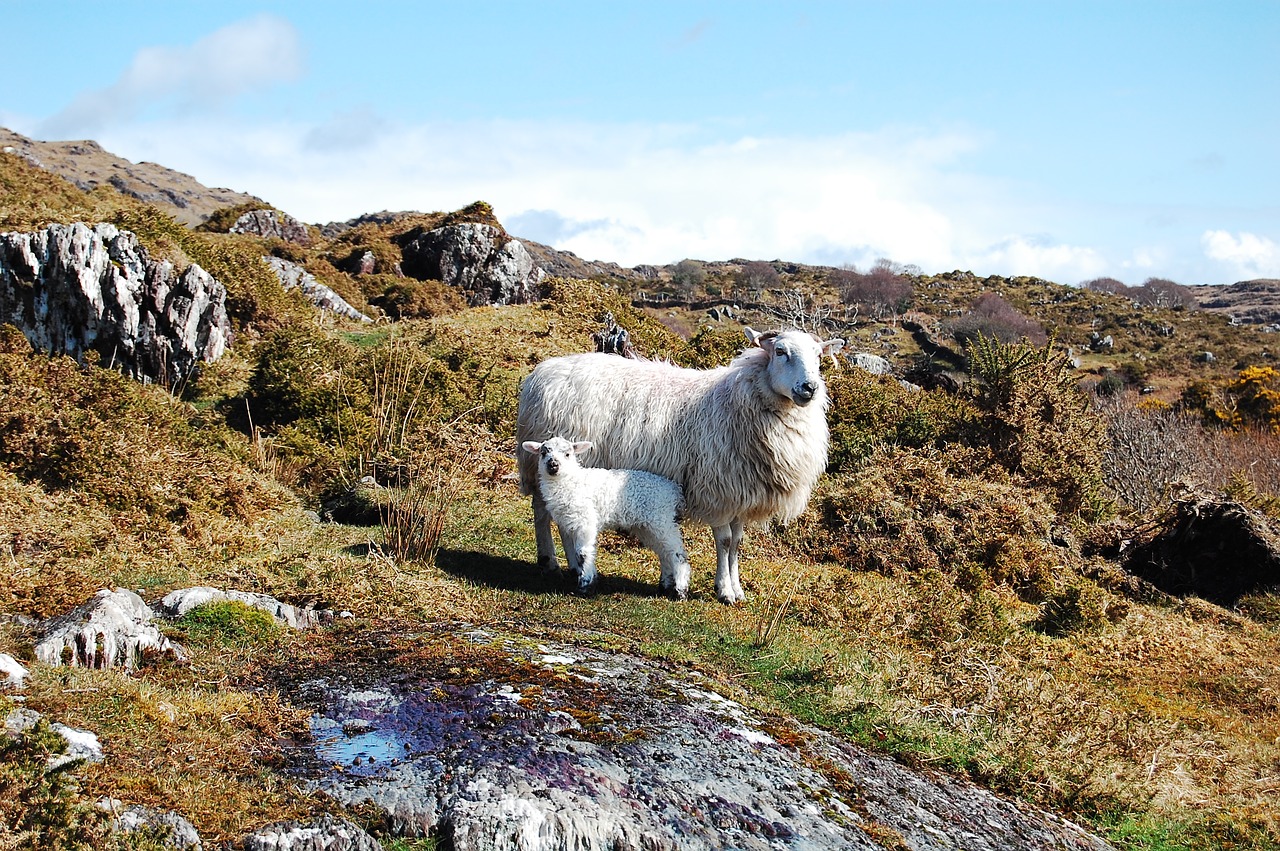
(177, 603)
(13, 675)
(75, 288)
(489, 266)
(325, 833)
(82, 745)
(171, 829)
(294, 276)
(873, 364)
(113, 629)
(272, 224)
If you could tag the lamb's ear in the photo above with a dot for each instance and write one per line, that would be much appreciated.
(531, 446)
(753, 336)
(582, 446)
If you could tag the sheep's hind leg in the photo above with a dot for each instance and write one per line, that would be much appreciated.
(547, 560)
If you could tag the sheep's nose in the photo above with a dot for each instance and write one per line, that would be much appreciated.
(805, 391)
(553, 466)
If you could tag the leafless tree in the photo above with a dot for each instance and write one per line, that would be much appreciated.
(992, 316)
(756, 277)
(883, 291)
(1161, 292)
(1106, 285)
(687, 277)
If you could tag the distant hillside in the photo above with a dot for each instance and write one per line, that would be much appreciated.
(87, 165)
(1256, 302)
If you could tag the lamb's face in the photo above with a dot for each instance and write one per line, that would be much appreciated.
(555, 453)
(795, 359)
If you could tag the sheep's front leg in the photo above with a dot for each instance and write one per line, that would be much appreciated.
(735, 530)
(547, 560)
(727, 587)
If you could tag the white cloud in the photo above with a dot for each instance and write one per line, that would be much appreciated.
(245, 56)
(1054, 261)
(1250, 255)
(636, 194)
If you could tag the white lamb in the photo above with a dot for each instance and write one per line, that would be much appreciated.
(584, 500)
(746, 441)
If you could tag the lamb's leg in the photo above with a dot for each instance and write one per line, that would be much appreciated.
(667, 542)
(585, 558)
(547, 560)
(726, 590)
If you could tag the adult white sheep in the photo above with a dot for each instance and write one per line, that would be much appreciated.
(585, 500)
(746, 441)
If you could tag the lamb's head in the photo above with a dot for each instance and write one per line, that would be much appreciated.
(555, 453)
(795, 358)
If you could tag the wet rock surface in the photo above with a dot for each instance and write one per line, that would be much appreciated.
(497, 742)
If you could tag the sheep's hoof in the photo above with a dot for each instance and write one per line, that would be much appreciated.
(549, 565)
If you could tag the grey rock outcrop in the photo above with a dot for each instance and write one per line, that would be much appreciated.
(325, 833)
(172, 829)
(293, 276)
(489, 266)
(561, 747)
(82, 745)
(75, 288)
(873, 364)
(114, 628)
(272, 224)
(177, 603)
(13, 674)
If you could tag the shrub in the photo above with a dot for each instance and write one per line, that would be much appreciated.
(409, 298)
(1106, 285)
(993, 317)
(913, 511)
(1079, 607)
(1037, 422)
(228, 623)
(131, 447)
(869, 411)
(687, 277)
(41, 808)
(756, 277)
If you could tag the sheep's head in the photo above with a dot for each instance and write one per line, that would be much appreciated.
(555, 452)
(795, 358)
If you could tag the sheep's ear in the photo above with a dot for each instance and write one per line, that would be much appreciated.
(531, 446)
(582, 446)
(833, 346)
(753, 336)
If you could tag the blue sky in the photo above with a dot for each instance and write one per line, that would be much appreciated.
(1068, 140)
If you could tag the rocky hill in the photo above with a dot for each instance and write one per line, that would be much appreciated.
(85, 164)
(1255, 302)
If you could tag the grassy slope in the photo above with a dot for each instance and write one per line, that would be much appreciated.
(1157, 728)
